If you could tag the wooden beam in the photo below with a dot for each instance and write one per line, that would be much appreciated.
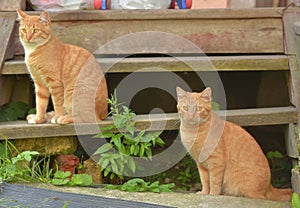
(177, 64)
(153, 122)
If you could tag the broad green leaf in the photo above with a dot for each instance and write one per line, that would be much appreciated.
(142, 150)
(132, 148)
(59, 181)
(62, 175)
(104, 135)
(274, 154)
(295, 200)
(104, 164)
(104, 148)
(116, 139)
(81, 180)
(131, 164)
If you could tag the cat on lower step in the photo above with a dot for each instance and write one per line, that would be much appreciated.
(229, 160)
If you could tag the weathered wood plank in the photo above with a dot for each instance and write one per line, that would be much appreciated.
(7, 24)
(289, 18)
(212, 31)
(208, 36)
(290, 141)
(177, 64)
(166, 14)
(154, 122)
(9, 5)
(294, 82)
(295, 179)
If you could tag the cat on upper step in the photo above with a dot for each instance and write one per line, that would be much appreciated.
(69, 74)
(229, 160)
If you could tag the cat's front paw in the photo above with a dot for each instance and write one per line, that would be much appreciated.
(203, 192)
(33, 119)
(62, 119)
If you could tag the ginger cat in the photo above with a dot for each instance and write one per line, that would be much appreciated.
(229, 160)
(70, 74)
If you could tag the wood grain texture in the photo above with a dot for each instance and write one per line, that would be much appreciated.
(290, 141)
(177, 64)
(12, 5)
(152, 122)
(289, 20)
(213, 31)
(252, 13)
(7, 25)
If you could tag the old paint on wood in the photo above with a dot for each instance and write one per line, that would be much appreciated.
(216, 31)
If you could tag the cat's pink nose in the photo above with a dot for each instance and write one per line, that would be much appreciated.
(28, 37)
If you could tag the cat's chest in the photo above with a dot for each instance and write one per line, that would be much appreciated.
(29, 49)
(189, 137)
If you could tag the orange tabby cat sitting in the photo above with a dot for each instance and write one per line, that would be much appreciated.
(70, 74)
(229, 160)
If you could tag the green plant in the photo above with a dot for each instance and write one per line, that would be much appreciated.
(295, 200)
(18, 167)
(272, 156)
(13, 111)
(116, 157)
(139, 185)
(64, 178)
(188, 171)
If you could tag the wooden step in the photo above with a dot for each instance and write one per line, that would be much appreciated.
(153, 122)
(177, 64)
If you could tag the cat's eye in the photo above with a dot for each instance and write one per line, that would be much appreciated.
(185, 108)
(24, 30)
(199, 108)
(36, 30)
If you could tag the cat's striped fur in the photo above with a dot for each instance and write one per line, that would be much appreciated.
(70, 74)
(229, 159)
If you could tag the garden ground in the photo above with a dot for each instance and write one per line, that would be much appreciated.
(174, 199)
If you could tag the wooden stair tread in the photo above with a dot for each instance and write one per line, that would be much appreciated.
(176, 64)
(153, 122)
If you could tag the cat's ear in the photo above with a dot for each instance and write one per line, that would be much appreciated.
(21, 15)
(45, 18)
(180, 93)
(206, 95)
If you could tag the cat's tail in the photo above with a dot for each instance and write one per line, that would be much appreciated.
(279, 194)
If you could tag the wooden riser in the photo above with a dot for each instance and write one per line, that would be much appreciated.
(225, 31)
(154, 122)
